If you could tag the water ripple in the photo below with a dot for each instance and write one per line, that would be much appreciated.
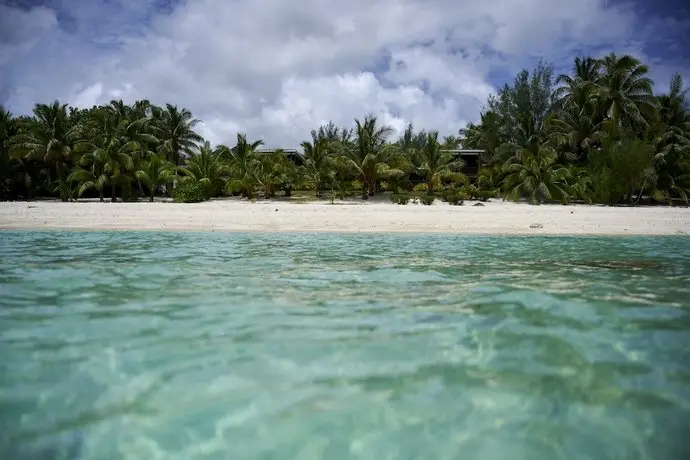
(255, 346)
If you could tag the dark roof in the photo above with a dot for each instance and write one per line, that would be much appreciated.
(270, 150)
(466, 152)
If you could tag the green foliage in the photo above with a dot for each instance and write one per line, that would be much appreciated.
(427, 199)
(485, 195)
(189, 191)
(454, 196)
(594, 134)
(398, 198)
(624, 169)
(537, 176)
(356, 185)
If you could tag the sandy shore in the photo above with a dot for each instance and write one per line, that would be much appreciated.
(495, 217)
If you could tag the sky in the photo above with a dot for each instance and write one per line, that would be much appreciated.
(276, 69)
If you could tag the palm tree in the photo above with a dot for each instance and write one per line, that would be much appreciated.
(410, 142)
(672, 141)
(242, 163)
(572, 130)
(115, 139)
(434, 163)
(624, 91)
(7, 131)
(154, 172)
(47, 137)
(579, 88)
(175, 129)
(93, 172)
(272, 171)
(488, 135)
(489, 178)
(537, 175)
(206, 167)
(317, 162)
(370, 155)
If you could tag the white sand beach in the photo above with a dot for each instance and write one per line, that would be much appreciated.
(495, 217)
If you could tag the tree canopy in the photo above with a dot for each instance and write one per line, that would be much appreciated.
(597, 134)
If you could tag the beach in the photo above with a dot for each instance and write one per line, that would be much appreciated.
(494, 217)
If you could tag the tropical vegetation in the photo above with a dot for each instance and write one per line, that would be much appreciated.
(597, 134)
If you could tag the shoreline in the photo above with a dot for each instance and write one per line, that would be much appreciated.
(349, 217)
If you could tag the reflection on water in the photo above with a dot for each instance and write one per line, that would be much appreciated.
(256, 346)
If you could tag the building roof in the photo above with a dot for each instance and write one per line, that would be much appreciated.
(270, 150)
(466, 152)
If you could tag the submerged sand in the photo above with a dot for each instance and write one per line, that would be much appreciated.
(494, 217)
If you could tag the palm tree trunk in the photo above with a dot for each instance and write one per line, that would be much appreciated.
(100, 195)
(644, 184)
(112, 193)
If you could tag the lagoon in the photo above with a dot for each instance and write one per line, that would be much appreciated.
(184, 345)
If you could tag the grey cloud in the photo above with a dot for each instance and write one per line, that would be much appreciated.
(277, 69)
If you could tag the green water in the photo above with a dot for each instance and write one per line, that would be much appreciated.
(270, 346)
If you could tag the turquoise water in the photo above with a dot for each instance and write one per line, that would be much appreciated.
(135, 345)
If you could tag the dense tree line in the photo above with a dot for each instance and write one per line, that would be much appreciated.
(598, 134)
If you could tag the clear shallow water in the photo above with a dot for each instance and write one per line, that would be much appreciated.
(268, 346)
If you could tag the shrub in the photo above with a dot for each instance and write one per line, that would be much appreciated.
(427, 199)
(455, 196)
(189, 191)
(385, 186)
(484, 195)
(420, 188)
(400, 199)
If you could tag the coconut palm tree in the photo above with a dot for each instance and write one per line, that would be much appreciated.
(272, 171)
(175, 129)
(489, 178)
(573, 131)
(93, 172)
(207, 167)
(317, 162)
(109, 135)
(624, 91)
(47, 137)
(154, 172)
(7, 130)
(579, 88)
(536, 175)
(242, 163)
(489, 135)
(672, 142)
(370, 156)
(411, 142)
(434, 163)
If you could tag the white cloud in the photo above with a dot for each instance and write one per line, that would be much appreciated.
(277, 69)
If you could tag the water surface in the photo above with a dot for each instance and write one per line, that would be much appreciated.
(190, 346)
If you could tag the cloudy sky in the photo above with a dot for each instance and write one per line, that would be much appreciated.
(275, 69)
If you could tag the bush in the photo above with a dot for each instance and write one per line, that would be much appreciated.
(400, 199)
(484, 195)
(427, 199)
(420, 188)
(454, 196)
(189, 191)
